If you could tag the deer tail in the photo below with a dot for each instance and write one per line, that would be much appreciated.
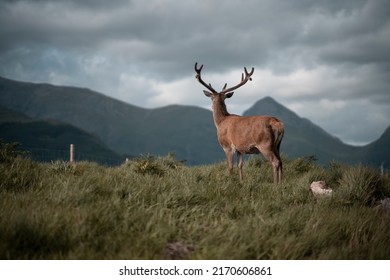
(278, 129)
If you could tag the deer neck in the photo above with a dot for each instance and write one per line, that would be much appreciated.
(219, 111)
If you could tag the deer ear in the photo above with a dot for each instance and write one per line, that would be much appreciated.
(228, 95)
(207, 93)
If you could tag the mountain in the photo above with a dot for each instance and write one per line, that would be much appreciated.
(377, 153)
(50, 140)
(187, 131)
(7, 115)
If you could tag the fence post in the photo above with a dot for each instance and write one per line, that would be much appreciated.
(71, 153)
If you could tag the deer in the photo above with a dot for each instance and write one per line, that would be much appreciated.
(244, 134)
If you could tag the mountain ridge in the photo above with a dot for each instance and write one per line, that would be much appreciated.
(187, 131)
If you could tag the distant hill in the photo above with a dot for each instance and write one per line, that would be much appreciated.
(50, 140)
(187, 131)
(377, 153)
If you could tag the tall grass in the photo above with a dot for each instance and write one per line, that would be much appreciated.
(157, 208)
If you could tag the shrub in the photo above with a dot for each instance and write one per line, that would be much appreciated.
(19, 175)
(362, 185)
(9, 151)
(61, 166)
(304, 164)
(171, 162)
(155, 165)
(148, 165)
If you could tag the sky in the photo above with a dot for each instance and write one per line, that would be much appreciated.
(327, 60)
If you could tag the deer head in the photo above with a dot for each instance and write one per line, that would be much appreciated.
(226, 92)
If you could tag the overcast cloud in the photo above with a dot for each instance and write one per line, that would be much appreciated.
(328, 61)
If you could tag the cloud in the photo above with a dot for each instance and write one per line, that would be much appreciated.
(305, 53)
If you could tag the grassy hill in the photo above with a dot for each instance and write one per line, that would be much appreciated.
(156, 208)
(7, 115)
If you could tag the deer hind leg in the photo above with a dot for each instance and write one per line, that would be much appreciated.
(277, 153)
(239, 165)
(274, 158)
(279, 167)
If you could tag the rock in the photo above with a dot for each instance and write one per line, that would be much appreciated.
(320, 189)
(384, 204)
(178, 251)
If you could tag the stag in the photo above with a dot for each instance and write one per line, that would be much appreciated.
(244, 134)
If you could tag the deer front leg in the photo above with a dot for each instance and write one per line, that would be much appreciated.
(229, 159)
(239, 164)
(277, 167)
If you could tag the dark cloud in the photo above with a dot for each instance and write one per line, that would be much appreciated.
(305, 52)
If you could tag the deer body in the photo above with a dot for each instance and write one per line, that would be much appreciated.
(245, 134)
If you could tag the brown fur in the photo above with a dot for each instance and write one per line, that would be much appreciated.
(245, 135)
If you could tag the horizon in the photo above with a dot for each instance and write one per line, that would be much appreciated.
(206, 108)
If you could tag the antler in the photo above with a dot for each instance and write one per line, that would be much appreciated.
(199, 78)
(243, 81)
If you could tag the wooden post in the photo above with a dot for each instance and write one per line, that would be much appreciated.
(71, 153)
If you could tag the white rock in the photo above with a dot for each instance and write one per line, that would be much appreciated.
(319, 188)
(384, 204)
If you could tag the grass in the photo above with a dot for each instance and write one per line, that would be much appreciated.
(158, 208)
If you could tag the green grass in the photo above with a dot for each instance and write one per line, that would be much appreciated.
(139, 209)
